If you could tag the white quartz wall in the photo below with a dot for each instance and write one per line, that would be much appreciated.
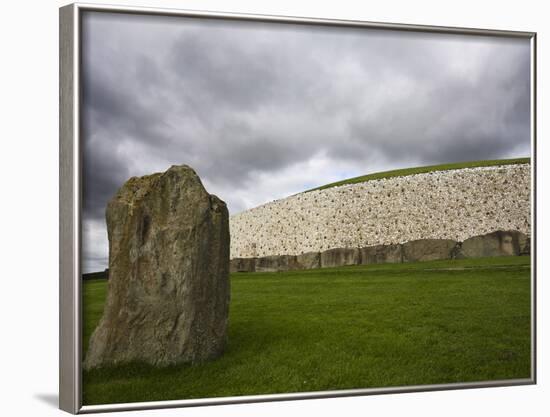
(455, 204)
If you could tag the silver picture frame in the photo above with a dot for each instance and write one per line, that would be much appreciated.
(70, 189)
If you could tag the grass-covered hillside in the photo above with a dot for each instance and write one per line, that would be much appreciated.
(342, 328)
(425, 169)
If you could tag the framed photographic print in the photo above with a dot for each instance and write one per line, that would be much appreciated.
(258, 208)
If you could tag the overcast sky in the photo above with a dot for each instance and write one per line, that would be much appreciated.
(262, 111)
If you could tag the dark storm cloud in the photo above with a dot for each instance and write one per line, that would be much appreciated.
(483, 116)
(263, 111)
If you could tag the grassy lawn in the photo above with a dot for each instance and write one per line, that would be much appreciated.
(425, 169)
(351, 327)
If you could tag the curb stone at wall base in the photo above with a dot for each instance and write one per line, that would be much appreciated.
(498, 243)
(454, 204)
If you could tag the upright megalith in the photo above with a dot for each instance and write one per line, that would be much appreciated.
(168, 296)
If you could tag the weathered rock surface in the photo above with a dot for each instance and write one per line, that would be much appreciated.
(340, 257)
(309, 260)
(242, 265)
(524, 244)
(381, 254)
(276, 263)
(168, 296)
(500, 243)
(428, 250)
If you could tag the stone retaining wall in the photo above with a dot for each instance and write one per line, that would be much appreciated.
(498, 243)
(453, 205)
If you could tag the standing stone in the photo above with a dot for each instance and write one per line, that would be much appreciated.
(168, 296)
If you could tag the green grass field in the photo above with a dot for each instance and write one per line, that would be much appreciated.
(423, 170)
(351, 327)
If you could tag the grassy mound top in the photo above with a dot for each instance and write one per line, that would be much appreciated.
(423, 170)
